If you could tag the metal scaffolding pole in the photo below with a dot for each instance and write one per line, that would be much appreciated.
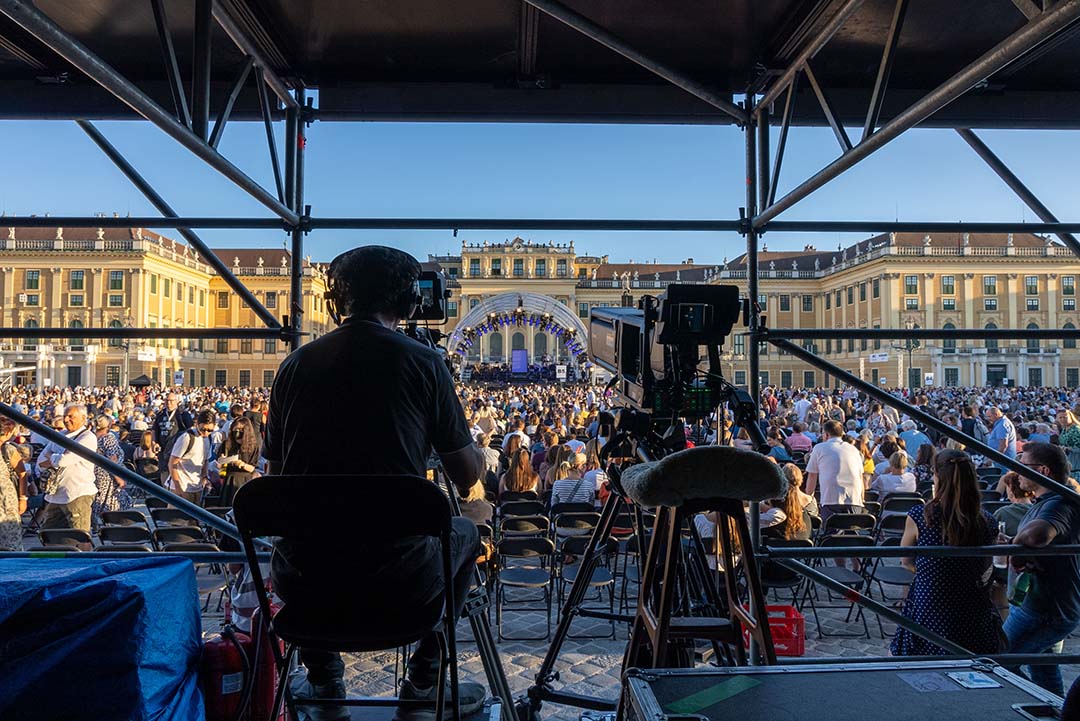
(916, 413)
(48, 32)
(808, 52)
(587, 27)
(1030, 200)
(1049, 23)
(276, 84)
(296, 287)
(200, 74)
(165, 209)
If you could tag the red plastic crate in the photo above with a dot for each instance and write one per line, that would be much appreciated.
(788, 628)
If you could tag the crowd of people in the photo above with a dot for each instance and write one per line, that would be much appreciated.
(503, 373)
(837, 447)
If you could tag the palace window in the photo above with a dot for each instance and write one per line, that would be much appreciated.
(33, 280)
(948, 285)
(541, 268)
(223, 299)
(474, 267)
(1031, 285)
(1032, 303)
(808, 304)
(948, 303)
(560, 267)
(270, 299)
(1068, 285)
(876, 288)
(77, 279)
(989, 303)
(116, 280)
(989, 285)
(76, 299)
(785, 303)
(911, 285)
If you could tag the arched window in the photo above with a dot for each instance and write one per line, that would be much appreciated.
(76, 343)
(1033, 343)
(30, 343)
(1068, 342)
(540, 345)
(948, 345)
(115, 342)
(991, 343)
(517, 341)
(495, 347)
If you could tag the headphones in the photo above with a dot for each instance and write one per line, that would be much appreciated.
(336, 301)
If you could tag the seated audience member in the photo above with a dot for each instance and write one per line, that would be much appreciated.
(572, 487)
(799, 441)
(475, 506)
(786, 517)
(896, 478)
(795, 478)
(923, 469)
(950, 595)
(778, 448)
(519, 477)
(1020, 500)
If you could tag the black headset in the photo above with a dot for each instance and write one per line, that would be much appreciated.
(410, 298)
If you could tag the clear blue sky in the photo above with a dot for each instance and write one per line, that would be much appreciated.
(586, 171)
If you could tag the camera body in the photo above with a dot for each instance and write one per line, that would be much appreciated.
(654, 351)
(431, 293)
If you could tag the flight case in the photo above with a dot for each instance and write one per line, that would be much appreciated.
(977, 690)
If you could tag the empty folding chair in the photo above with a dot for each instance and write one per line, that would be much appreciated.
(125, 548)
(524, 526)
(524, 564)
(775, 576)
(177, 534)
(891, 526)
(859, 523)
(153, 502)
(124, 518)
(841, 574)
(567, 525)
(521, 508)
(171, 517)
(885, 573)
(65, 539)
(125, 535)
(512, 496)
(602, 577)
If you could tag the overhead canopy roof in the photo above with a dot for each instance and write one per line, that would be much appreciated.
(503, 60)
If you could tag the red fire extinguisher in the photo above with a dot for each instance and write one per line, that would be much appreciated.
(226, 675)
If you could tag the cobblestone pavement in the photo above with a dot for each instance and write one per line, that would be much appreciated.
(592, 666)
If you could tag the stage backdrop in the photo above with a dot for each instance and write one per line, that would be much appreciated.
(519, 361)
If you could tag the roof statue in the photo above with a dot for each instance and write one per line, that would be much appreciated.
(284, 262)
(817, 263)
(11, 233)
(101, 234)
(967, 239)
(772, 265)
(926, 241)
(594, 273)
(1009, 240)
(236, 262)
(795, 265)
(260, 261)
(656, 276)
(635, 276)
(59, 233)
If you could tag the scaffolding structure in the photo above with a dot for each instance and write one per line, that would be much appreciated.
(836, 63)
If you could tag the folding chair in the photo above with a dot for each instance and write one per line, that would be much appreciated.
(775, 576)
(521, 508)
(524, 526)
(848, 523)
(567, 525)
(891, 526)
(888, 575)
(125, 548)
(167, 535)
(843, 575)
(512, 496)
(990, 495)
(993, 507)
(872, 507)
(524, 563)
(368, 621)
(125, 535)
(171, 517)
(153, 502)
(602, 576)
(124, 518)
(66, 539)
(894, 505)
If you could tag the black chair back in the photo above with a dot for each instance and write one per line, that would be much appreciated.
(512, 496)
(124, 534)
(849, 522)
(177, 534)
(123, 518)
(521, 508)
(561, 508)
(892, 504)
(172, 517)
(76, 538)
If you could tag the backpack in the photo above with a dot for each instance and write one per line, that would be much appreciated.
(172, 444)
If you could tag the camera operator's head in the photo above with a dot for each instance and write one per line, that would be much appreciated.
(373, 283)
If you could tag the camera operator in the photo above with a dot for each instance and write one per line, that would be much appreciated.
(397, 403)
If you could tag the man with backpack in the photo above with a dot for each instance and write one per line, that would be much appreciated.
(189, 458)
(170, 422)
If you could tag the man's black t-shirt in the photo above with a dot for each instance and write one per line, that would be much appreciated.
(362, 399)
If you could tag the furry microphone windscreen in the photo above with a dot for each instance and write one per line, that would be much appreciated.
(706, 472)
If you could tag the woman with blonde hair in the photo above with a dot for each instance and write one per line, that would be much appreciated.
(562, 455)
(787, 517)
(519, 477)
(896, 478)
(1069, 436)
(950, 595)
(794, 477)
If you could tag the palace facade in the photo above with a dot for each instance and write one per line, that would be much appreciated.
(80, 278)
(101, 278)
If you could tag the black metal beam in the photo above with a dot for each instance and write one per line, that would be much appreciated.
(182, 333)
(763, 150)
(872, 226)
(172, 67)
(230, 101)
(527, 44)
(41, 26)
(268, 125)
(587, 27)
(200, 72)
(1022, 191)
(812, 47)
(877, 97)
(781, 143)
(237, 35)
(296, 297)
(1060, 17)
(918, 333)
(164, 208)
(826, 107)
(925, 418)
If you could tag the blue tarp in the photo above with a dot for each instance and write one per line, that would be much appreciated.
(99, 640)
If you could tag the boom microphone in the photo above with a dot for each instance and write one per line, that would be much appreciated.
(705, 472)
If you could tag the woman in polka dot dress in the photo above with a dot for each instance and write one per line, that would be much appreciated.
(950, 596)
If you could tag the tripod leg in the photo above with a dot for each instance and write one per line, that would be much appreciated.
(580, 586)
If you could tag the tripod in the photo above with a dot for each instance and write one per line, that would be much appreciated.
(695, 578)
(475, 609)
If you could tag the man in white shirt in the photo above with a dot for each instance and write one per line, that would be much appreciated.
(802, 407)
(73, 496)
(838, 467)
(190, 457)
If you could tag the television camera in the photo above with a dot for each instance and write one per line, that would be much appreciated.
(431, 293)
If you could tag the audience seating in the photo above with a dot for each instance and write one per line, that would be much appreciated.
(602, 576)
(853, 579)
(65, 539)
(125, 535)
(524, 563)
(124, 518)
